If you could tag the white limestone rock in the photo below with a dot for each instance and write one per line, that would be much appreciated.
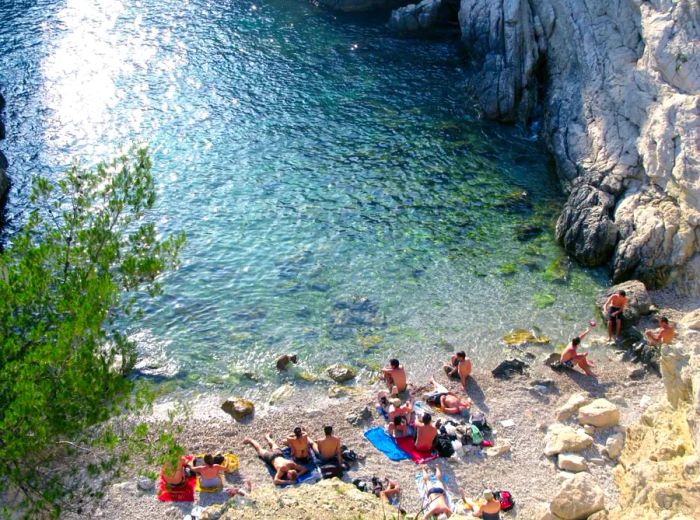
(571, 462)
(600, 413)
(578, 498)
(562, 439)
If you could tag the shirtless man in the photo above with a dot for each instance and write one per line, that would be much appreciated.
(286, 471)
(570, 357)
(395, 377)
(614, 307)
(461, 368)
(435, 495)
(209, 473)
(664, 334)
(299, 444)
(328, 448)
(425, 433)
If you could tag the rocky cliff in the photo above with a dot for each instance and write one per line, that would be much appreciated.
(4, 181)
(616, 85)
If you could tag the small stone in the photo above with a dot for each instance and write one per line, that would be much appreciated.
(341, 373)
(575, 402)
(614, 445)
(501, 448)
(600, 413)
(597, 461)
(589, 429)
(571, 462)
(637, 374)
(238, 408)
(357, 417)
(145, 484)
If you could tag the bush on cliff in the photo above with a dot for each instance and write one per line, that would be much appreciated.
(66, 281)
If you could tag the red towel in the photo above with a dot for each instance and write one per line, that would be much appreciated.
(184, 493)
(419, 457)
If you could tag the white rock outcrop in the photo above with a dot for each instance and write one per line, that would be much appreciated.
(571, 462)
(572, 405)
(562, 439)
(578, 498)
(614, 445)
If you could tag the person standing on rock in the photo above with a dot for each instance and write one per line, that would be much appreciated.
(664, 334)
(614, 308)
(570, 357)
(395, 377)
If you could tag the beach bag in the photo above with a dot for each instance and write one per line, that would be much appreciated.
(506, 499)
(443, 446)
(331, 470)
(348, 455)
(473, 436)
(478, 419)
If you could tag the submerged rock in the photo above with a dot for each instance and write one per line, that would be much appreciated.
(238, 408)
(341, 373)
(521, 336)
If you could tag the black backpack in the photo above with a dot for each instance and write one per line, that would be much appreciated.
(443, 446)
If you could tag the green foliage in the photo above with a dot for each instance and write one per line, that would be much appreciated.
(66, 280)
(543, 300)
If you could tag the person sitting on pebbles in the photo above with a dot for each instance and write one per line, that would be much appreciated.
(395, 377)
(425, 433)
(209, 472)
(664, 334)
(286, 471)
(570, 357)
(397, 409)
(299, 445)
(175, 477)
(487, 507)
(460, 368)
(328, 448)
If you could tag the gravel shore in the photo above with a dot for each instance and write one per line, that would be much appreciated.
(525, 471)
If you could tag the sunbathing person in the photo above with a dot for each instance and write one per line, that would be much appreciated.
(449, 402)
(398, 427)
(395, 377)
(209, 473)
(570, 357)
(460, 368)
(328, 448)
(299, 445)
(174, 477)
(286, 471)
(664, 334)
(425, 433)
(435, 495)
(398, 410)
(488, 507)
(391, 489)
(383, 404)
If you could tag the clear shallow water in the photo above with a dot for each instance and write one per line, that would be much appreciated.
(339, 195)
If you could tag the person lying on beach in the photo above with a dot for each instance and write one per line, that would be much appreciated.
(487, 507)
(383, 405)
(299, 445)
(570, 357)
(459, 368)
(449, 402)
(174, 477)
(425, 433)
(286, 471)
(209, 473)
(328, 448)
(664, 334)
(395, 377)
(437, 502)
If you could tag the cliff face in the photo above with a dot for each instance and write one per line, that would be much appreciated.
(4, 181)
(619, 85)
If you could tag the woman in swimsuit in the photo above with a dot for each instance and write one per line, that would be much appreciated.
(436, 498)
(176, 477)
(487, 508)
(209, 473)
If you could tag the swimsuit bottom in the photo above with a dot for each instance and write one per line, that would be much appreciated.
(568, 364)
(302, 460)
(612, 318)
(436, 491)
(270, 456)
(209, 482)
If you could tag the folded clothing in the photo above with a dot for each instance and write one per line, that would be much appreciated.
(384, 443)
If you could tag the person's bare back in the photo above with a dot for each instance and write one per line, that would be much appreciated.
(425, 434)
(298, 444)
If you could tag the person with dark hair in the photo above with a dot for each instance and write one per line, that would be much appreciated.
(328, 448)
(447, 401)
(398, 426)
(570, 357)
(614, 308)
(299, 445)
(425, 433)
(286, 471)
(209, 473)
(460, 368)
(664, 334)
(435, 496)
(395, 377)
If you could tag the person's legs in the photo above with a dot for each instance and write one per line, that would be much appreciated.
(438, 474)
(583, 363)
(273, 445)
(610, 328)
(259, 449)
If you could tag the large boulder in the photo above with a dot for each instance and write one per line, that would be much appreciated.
(600, 413)
(572, 405)
(691, 320)
(578, 498)
(562, 439)
(341, 373)
(424, 16)
(638, 300)
(238, 408)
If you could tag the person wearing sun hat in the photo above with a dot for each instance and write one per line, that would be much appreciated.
(487, 507)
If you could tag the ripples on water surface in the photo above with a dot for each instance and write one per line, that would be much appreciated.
(339, 195)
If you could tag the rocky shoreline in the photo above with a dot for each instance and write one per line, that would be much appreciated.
(615, 91)
(4, 180)
(545, 408)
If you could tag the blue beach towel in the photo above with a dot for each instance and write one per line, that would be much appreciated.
(381, 440)
(312, 475)
(432, 482)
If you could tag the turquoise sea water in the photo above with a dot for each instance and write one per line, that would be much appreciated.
(340, 196)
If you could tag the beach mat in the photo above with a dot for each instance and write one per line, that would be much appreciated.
(432, 482)
(384, 443)
(419, 457)
(312, 475)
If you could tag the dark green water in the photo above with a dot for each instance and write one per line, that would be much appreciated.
(341, 198)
